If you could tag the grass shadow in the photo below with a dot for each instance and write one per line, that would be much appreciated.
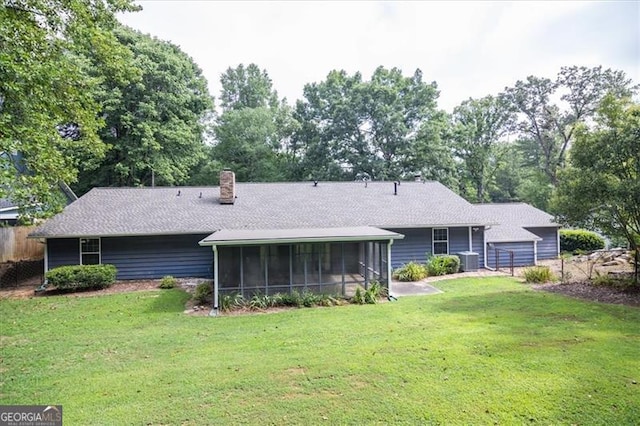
(165, 301)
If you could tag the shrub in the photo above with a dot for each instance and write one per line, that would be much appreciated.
(168, 282)
(538, 274)
(411, 271)
(231, 301)
(259, 301)
(577, 240)
(203, 293)
(443, 264)
(82, 277)
(358, 297)
(309, 299)
(290, 299)
(602, 279)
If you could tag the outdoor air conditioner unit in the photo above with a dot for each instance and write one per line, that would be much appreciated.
(468, 261)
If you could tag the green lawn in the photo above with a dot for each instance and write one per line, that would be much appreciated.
(485, 351)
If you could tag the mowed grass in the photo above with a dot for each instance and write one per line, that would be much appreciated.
(485, 351)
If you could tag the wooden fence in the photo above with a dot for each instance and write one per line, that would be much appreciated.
(15, 246)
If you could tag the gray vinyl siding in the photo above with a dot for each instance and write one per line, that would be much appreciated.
(413, 247)
(417, 243)
(548, 247)
(458, 240)
(142, 257)
(63, 252)
(157, 256)
(477, 238)
(522, 254)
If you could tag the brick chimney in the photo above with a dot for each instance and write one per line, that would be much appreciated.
(227, 187)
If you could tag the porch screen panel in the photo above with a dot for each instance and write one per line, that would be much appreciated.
(229, 269)
(278, 268)
(314, 260)
(351, 258)
(254, 272)
(299, 266)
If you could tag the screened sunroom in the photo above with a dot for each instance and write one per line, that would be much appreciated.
(328, 260)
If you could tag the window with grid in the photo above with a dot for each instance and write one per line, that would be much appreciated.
(440, 241)
(90, 251)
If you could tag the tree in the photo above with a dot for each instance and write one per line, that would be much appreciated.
(248, 87)
(601, 189)
(44, 88)
(154, 118)
(355, 128)
(549, 125)
(249, 141)
(479, 125)
(253, 132)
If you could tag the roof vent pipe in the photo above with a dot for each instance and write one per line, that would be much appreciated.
(417, 177)
(315, 183)
(395, 188)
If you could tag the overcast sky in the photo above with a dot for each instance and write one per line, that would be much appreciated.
(471, 49)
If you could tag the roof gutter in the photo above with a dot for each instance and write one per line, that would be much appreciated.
(253, 242)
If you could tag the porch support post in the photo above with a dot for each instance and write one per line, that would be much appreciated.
(366, 266)
(290, 268)
(46, 256)
(389, 267)
(344, 284)
(484, 247)
(214, 311)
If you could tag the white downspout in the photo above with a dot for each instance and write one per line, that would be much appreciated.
(470, 240)
(214, 311)
(535, 252)
(389, 268)
(558, 242)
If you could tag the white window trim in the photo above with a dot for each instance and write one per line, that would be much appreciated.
(433, 241)
(90, 252)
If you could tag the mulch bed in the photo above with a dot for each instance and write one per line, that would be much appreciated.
(587, 291)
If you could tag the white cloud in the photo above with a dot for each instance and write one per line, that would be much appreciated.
(470, 49)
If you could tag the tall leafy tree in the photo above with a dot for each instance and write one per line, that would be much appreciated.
(252, 134)
(601, 189)
(154, 118)
(247, 87)
(551, 110)
(479, 126)
(45, 90)
(357, 128)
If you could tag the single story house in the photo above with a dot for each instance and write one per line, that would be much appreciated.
(9, 212)
(266, 237)
(522, 230)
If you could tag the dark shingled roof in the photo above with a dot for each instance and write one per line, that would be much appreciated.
(5, 203)
(160, 210)
(511, 219)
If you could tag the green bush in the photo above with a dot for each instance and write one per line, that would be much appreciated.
(443, 265)
(231, 301)
(411, 271)
(580, 240)
(538, 274)
(82, 277)
(168, 282)
(203, 294)
(358, 297)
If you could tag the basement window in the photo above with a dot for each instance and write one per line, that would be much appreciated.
(90, 251)
(440, 241)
